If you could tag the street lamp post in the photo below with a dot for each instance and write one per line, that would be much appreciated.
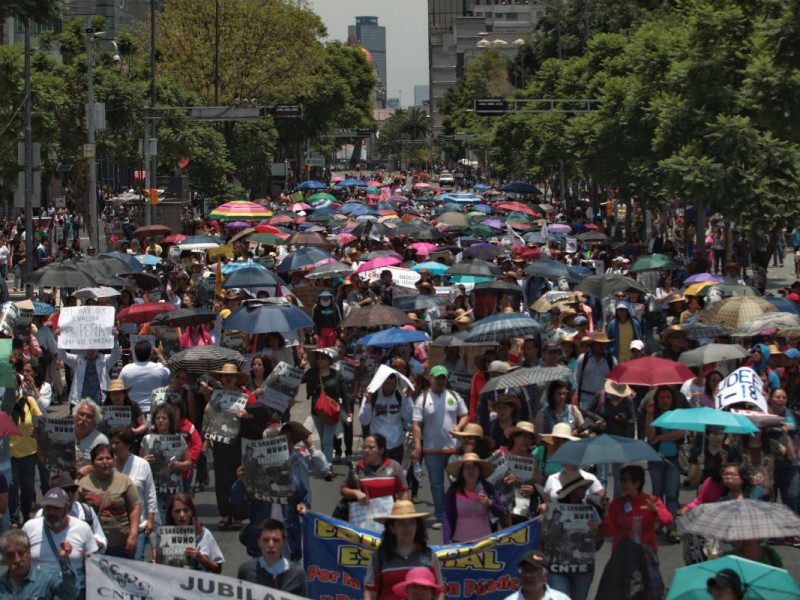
(558, 23)
(90, 126)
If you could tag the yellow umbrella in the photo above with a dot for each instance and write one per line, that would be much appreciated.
(694, 289)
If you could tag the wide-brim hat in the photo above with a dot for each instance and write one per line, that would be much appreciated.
(670, 331)
(470, 430)
(421, 576)
(298, 431)
(571, 481)
(623, 390)
(520, 427)
(506, 399)
(561, 431)
(416, 318)
(330, 352)
(233, 294)
(486, 467)
(599, 337)
(676, 298)
(230, 369)
(116, 385)
(403, 509)
(571, 339)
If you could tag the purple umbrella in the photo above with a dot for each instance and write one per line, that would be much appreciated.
(496, 223)
(559, 228)
(237, 225)
(700, 277)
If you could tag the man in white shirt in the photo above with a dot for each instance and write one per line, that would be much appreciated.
(46, 534)
(143, 376)
(5, 255)
(79, 510)
(533, 570)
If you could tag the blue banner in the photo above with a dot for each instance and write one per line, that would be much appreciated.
(336, 555)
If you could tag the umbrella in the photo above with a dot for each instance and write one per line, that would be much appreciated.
(651, 371)
(761, 582)
(305, 238)
(436, 268)
(475, 268)
(311, 185)
(42, 309)
(351, 182)
(320, 196)
(482, 251)
(504, 326)
(593, 236)
(731, 288)
(697, 419)
(454, 219)
(202, 359)
(736, 311)
(7, 426)
(389, 338)
(115, 263)
(603, 286)
(376, 315)
(481, 231)
(783, 304)
(270, 239)
(549, 269)
(511, 206)
(200, 242)
(767, 321)
(90, 292)
(304, 257)
(146, 281)
(703, 277)
(420, 303)
(497, 287)
(112, 281)
(264, 318)
(184, 317)
(299, 207)
(378, 263)
(427, 233)
(520, 187)
(603, 449)
(695, 288)
(143, 313)
(457, 339)
(655, 262)
(380, 254)
(559, 228)
(423, 248)
(711, 353)
(525, 377)
(371, 230)
(151, 231)
(175, 238)
(239, 210)
(61, 276)
(330, 270)
(698, 330)
(148, 260)
(734, 520)
(252, 277)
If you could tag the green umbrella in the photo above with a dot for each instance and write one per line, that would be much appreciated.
(518, 217)
(481, 231)
(320, 196)
(266, 238)
(317, 218)
(655, 262)
(760, 580)
(730, 288)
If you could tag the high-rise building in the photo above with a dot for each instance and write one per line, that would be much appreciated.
(422, 95)
(372, 36)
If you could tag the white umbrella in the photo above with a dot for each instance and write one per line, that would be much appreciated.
(93, 293)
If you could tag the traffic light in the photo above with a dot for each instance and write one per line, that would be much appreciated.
(151, 196)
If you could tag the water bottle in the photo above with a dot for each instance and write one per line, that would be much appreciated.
(418, 472)
(480, 491)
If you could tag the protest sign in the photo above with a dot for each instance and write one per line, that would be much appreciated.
(163, 394)
(57, 444)
(220, 423)
(460, 382)
(346, 371)
(8, 318)
(308, 295)
(268, 474)
(135, 338)
(166, 449)
(225, 250)
(336, 555)
(364, 515)
(113, 417)
(522, 467)
(7, 377)
(743, 385)
(111, 577)
(86, 327)
(405, 278)
(168, 338)
(232, 340)
(171, 545)
(569, 540)
(281, 386)
(497, 479)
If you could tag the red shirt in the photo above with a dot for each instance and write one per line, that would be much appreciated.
(619, 523)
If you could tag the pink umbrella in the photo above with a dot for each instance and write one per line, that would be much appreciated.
(423, 248)
(345, 238)
(374, 183)
(421, 186)
(337, 179)
(298, 206)
(378, 263)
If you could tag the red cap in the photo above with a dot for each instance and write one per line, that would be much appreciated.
(793, 297)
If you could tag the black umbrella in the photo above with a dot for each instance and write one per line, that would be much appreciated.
(146, 281)
(428, 234)
(522, 378)
(603, 286)
(185, 317)
(593, 236)
(476, 268)
(520, 187)
(497, 287)
(379, 254)
(371, 230)
(459, 340)
(113, 265)
(419, 303)
(698, 330)
(550, 269)
(113, 281)
(248, 277)
(202, 359)
(482, 251)
(61, 276)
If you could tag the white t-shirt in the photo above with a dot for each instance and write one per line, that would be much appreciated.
(207, 546)
(78, 533)
(79, 514)
(387, 416)
(138, 469)
(5, 251)
(553, 485)
(439, 414)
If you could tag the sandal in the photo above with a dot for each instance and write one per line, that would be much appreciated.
(225, 522)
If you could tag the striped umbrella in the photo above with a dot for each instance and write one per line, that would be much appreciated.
(240, 210)
(745, 519)
(502, 327)
(202, 359)
(736, 311)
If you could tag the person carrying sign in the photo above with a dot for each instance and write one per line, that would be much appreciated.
(91, 371)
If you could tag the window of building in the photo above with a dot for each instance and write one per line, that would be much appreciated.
(512, 16)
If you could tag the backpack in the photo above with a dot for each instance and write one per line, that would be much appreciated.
(584, 357)
(87, 514)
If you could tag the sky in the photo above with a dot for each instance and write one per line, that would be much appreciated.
(406, 23)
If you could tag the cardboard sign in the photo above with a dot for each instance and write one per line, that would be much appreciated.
(743, 385)
(86, 327)
(226, 251)
(308, 296)
(400, 277)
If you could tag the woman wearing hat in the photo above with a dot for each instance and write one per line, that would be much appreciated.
(117, 395)
(522, 440)
(558, 410)
(506, 408)
(404, 545)
(420, 584)
(469, 501)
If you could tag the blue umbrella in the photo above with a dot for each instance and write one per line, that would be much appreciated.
(200, 242)
(759, 580)
(360, 211)
(389, 338)
(304, 257)
(251, 276)
(351, 182)
(484, 208)
(41, 309)
(502, 327)
(311, 185)
(348, 207)
(480, 187)
(520, 187)
(697, 419)
(434, 267)
(783, 304)
(148, 260)
(128, 259)
(265, 318)
(549, 269)
(229, 268)
(603, 449)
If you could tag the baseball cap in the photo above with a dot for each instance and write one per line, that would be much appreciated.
(497, 366)
(439, 371)
(551, 347)
(620, 305)
(55, 497)
(792, 353)
(64, 481)
(727, 578)
(325, 294)
(637, 345)
(535, 558)
(580, 320)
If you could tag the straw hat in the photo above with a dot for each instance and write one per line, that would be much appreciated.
(403, 509)
(514, 401)
(560, 430)
(116, 385)
(676, 298)
(463, 320)
(421, 576)
(623, 390)
(470, 430)
(520, 427)
(568, 312)
(415, 317)
(230, 369)
(670, 331)
(571, 481)
(571, 339)
(774, 350)
(486, 467)
(599, 337)
(233, 294)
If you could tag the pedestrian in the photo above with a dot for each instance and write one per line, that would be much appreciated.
(272, 569)
(533, 575)
(24, 582)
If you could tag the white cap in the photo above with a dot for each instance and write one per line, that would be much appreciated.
(637, 345)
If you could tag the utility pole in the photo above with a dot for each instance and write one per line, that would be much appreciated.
(153, 136)
(90, 150)
(28, 164)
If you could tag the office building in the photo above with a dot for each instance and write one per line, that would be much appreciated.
(372, 36)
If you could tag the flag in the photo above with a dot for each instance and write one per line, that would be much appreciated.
(296, 197)
(218, 279)
(514, 239)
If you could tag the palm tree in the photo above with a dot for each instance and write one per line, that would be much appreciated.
(404, 125)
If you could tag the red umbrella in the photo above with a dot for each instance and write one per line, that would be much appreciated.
(281, 219)
(269, 229)
(377, 263)
(143, 313)
(512, 206)
(651, 371)
(7, 426)
(175, 238)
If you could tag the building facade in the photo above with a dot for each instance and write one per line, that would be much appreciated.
(372, 36)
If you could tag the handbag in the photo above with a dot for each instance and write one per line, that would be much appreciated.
(327, 407)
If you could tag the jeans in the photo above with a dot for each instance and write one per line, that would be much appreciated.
(602, 474)
(666, 476)
(787, 482)
(21, 488)
(6, 472)
(574, 585)
(437, 463)
(18, 277)
(140, 543)
(326, 432)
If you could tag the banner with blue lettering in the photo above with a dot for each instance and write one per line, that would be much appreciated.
(336, 556)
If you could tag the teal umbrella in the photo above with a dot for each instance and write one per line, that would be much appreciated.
(655, 262)
(697, 419)
(760, 580)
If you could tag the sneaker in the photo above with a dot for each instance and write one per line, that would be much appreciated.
(673, 537)
(437, 525)
(330, 475)
(793, 541)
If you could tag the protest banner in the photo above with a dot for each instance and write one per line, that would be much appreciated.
(136, 338)
(569, 540)
(166, 449)
(225, 250)
(742, 386)
(111, 577)
(405, 278)
(364, 515)
(57, 444)
(220, 423)
(86, 327)
(113, 417)
(281, 386)
(171, 545)
(268, 474)
(336, 555)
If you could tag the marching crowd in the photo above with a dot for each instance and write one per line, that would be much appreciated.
(454, 308)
